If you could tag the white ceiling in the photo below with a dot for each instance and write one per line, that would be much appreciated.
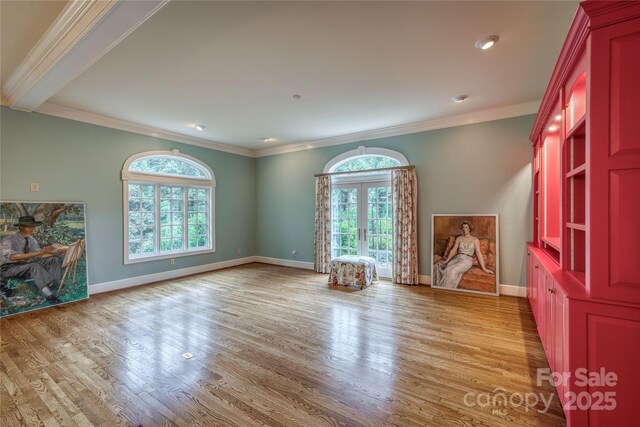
(363, 69)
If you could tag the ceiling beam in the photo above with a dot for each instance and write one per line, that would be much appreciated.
(82, 34)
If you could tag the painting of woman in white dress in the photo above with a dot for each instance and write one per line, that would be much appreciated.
(465, 253)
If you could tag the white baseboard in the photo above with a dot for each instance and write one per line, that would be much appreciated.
(513, 290)
(510, 290)
(165, 275)
(424, 280)
(284, 262)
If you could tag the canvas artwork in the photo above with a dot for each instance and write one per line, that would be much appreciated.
(465, 253)
(42, 255)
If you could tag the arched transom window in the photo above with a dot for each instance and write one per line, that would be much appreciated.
(364, 158)
(169, 165)
(366, 162)
(168, 206)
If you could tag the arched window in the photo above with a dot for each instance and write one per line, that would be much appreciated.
(364, 158)
(361, 204)
(366, 162)
(168, 206)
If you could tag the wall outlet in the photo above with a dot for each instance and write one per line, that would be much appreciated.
(294, 253)
(34, 186)
(173, 261)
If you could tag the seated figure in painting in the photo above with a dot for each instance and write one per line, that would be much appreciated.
(448, 271)
(21, 257)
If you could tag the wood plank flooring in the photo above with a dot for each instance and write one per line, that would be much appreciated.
(273, 346)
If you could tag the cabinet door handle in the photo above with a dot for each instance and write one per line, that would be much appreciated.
(535, 266)
(550, 290)
(365, 234)
(358, 234)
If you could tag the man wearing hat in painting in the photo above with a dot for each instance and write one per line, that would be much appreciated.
(22, 258)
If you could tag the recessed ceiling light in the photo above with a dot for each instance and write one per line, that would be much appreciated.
(460, 98)
(558, 117)
(553, 128)
(199, 127)
(487, 42)
(265, 139)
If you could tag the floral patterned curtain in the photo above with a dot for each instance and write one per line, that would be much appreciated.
(405, 226)
(322, 236)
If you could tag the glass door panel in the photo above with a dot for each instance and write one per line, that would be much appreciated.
(361, 222)
(378, 235)
(344, 220)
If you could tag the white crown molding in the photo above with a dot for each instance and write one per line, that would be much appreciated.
(446, 122)
(459, 120)
(58, 39)
(97, 119)
(87, 29)
(82, 34)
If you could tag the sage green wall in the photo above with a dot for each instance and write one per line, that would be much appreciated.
(78, 161)
(265, 206)
(480, 168)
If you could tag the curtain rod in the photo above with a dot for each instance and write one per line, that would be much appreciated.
(367, 170)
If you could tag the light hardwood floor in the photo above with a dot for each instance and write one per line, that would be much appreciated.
(273, 346)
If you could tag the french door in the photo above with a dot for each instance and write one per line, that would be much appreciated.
(361, 222)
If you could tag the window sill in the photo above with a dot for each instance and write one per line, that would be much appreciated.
(167, 256)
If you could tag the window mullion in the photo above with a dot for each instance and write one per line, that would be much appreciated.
(185, 228)
(171, 223)
(156, 231)
(210, 216)
(363, 200)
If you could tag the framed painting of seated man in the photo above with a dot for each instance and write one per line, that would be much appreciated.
(42, 255)
(465, 253)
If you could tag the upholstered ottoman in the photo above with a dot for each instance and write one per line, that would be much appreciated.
(351, 270)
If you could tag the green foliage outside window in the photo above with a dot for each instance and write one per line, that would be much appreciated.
(379, 224)
(167, 166)
(172, 214)
(368, 162)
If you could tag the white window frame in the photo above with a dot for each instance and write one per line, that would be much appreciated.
(362, 151)
(362, 245)
(361, 179)
(135, 177)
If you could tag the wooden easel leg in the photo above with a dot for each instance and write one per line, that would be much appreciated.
(75, 269)
(77, 252)
(66, 270)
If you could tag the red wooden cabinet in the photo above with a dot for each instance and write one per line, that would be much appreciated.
(616, 161)
(559, 311)
(583, 272)
(548, 338)
(541, 289)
